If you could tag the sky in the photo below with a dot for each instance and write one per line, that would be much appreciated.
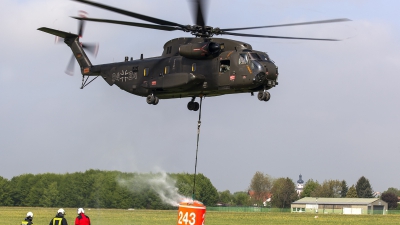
(334, 114)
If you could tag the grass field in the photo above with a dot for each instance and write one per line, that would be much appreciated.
(42, 216)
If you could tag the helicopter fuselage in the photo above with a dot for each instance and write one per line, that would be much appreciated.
(236, 68)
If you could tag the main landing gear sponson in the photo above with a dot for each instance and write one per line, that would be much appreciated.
(192, 105)
(151, 99)
(263, 96)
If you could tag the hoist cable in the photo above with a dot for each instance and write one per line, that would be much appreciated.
(197, 149)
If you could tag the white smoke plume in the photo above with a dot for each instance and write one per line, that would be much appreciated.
(159, 182)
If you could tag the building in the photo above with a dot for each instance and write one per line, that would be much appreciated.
(300, 185)
(266, 197)
(340, 205)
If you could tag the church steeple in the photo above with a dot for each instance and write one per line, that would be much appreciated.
(300, 181)
(300, 185)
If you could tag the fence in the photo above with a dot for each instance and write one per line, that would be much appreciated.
(246, 209)
(285, 210)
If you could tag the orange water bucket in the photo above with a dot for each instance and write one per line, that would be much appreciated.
(191, 213)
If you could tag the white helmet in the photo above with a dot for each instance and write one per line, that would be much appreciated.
(61, 211)
(80, 210)
(29, 214)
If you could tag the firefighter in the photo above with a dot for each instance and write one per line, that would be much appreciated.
(28, 219)
(82, 219)
(59, 218)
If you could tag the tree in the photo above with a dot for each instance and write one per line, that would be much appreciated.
(394, 191)
(50, 196)
(225, 197)
(309, 187)
(5, 198)
(206, 192)
(260, 185)
(343, 193)
(390, 198)
(328, 189)
(352, 193)
(283, 193)
(20, 188)
(363, 188)
(241, 198)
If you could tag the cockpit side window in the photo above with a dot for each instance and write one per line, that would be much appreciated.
(243, 58)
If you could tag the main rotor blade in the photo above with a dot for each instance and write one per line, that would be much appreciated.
(70, 67)
(281, 37)
(198, 12)
(151, 26)
(291, 24)
(131, 14)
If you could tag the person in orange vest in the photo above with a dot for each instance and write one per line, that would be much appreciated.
(82, 219)
(59, 218)
(28, 219)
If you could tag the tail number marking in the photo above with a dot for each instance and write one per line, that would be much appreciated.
(124, 75)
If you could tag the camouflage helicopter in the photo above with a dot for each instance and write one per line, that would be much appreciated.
(189, 66)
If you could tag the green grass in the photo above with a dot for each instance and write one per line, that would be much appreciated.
(42, 216)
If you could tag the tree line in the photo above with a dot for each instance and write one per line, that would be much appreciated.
(113, 189)
(103, 189)
(281, 192)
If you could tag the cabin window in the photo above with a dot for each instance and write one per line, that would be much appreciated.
(224, 66)
(145, 71)
(166, 70)
(169, 50)
(193, 67)
(243, 59)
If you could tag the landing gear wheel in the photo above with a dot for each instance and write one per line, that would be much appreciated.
(263, 96)
(156, 100)
(260, 95)
(150, 99)
(267, 96)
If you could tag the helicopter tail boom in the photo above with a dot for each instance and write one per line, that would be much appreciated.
(72, 40)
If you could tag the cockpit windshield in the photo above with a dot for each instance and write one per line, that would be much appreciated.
(245, 58)
(255, 56)
(264, 57)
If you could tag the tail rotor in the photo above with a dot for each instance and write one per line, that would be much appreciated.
(93, 48)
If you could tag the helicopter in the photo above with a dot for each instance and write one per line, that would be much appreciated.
(191, 67)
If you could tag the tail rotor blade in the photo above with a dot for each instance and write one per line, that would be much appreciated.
(70, 67)
(93, 48)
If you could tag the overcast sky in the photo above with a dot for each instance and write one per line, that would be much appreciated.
(334, 114)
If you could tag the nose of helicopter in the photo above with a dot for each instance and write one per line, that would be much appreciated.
(271, 70)
(267, 74)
